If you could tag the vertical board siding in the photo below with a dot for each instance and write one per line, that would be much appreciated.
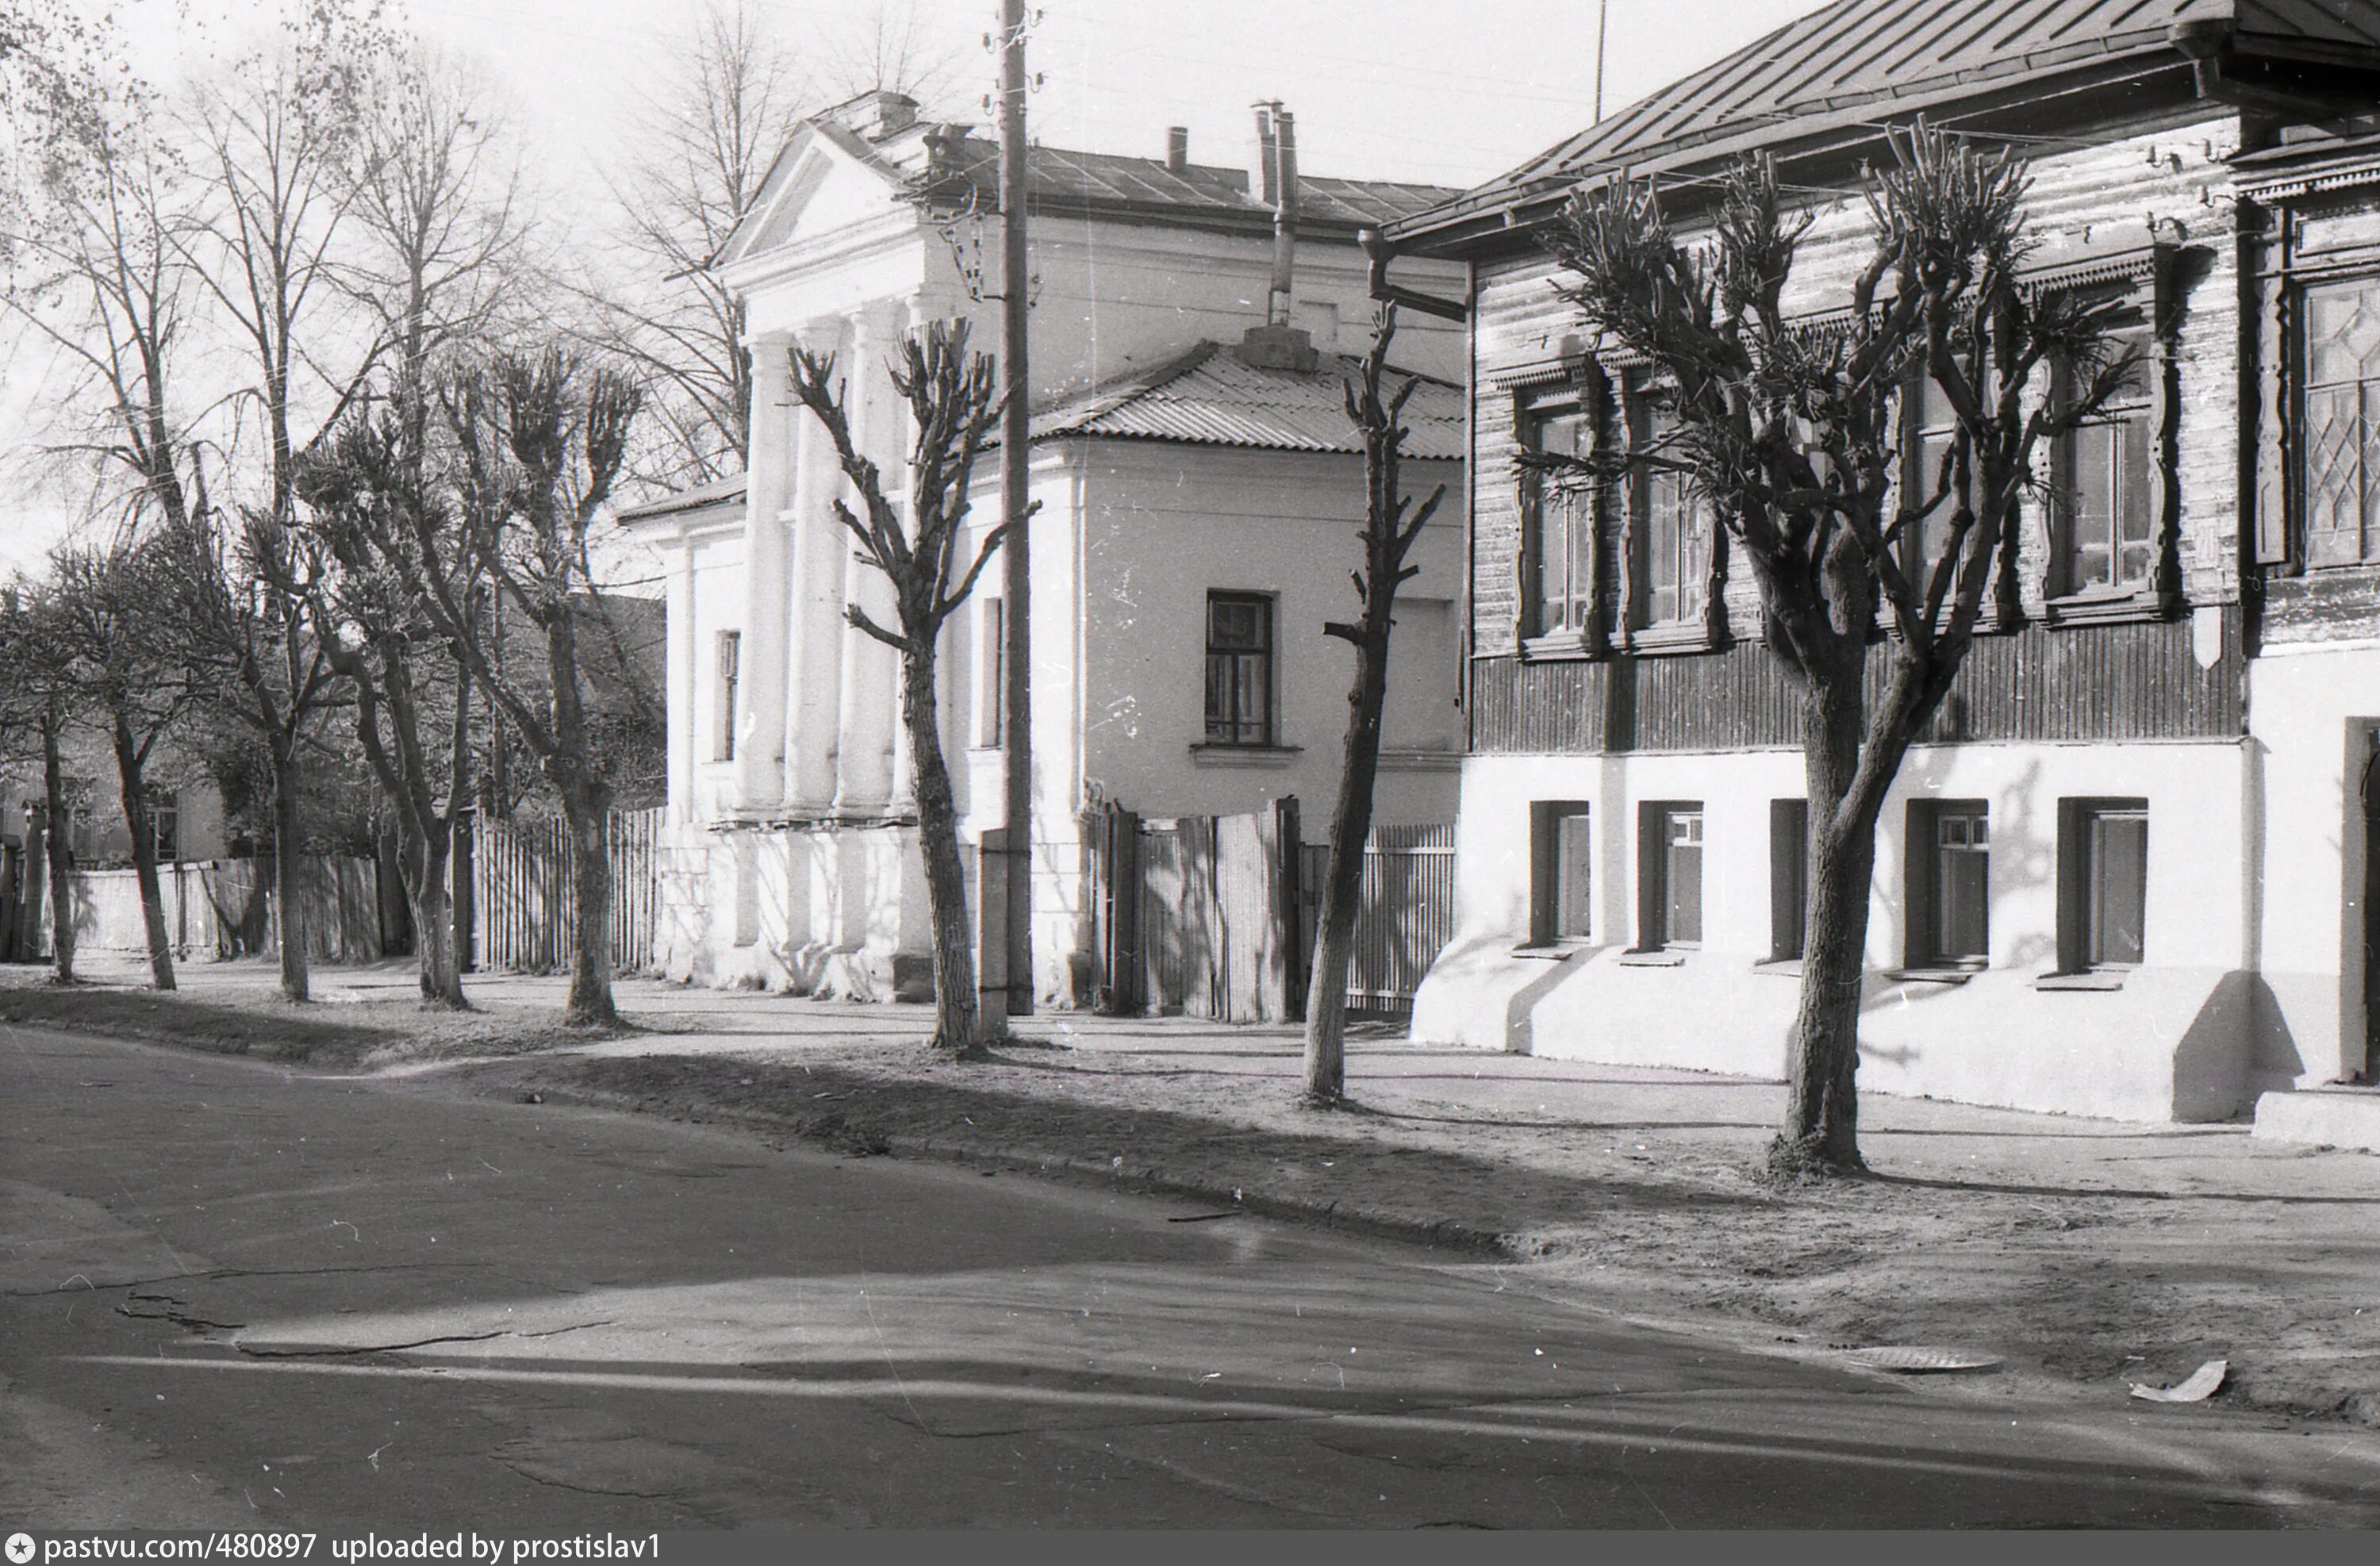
(524, 900)
(2125, 682)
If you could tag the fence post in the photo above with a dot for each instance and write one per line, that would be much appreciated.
(1288, 866)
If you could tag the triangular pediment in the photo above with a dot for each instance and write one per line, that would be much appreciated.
(826, 181)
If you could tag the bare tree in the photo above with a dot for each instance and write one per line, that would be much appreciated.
(731, 99)
(368, 498)
(35, 695)
(1391, 523)
(541, 441)
(1789, 432)
(954, 406)
(128, 672)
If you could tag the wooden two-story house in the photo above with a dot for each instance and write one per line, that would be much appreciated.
(2127, 872)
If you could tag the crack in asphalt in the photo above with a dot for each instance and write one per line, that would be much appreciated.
(69, 1287)
(332, 1350)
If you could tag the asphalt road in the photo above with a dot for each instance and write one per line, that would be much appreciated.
(232, 1295)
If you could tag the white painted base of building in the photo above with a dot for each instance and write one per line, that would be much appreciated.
(2192, 1034)
(2321, 1117)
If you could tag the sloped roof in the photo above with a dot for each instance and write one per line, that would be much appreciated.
(967, 168)
(1210, 396)
(1884, 53)
(679, 502)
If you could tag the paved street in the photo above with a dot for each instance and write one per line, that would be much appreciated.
(237, 1294)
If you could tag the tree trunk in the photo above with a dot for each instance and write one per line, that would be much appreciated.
(135, 792)
(1821, 1130)
(1351, 827)
(433, 925)
(587, 815)
(288, 880)
(960, 1025)
(57, 834)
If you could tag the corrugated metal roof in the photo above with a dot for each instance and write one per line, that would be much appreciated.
(1060, 180)
(1208, 396)
(717, 492)
(1856, 53)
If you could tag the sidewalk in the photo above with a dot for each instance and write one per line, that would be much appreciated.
(2087, 1253)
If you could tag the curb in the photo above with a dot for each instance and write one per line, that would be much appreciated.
(835, 1131)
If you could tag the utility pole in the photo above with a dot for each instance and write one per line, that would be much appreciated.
(1016, 730)
(1602, 25)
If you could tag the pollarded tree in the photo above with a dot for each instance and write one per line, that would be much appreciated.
(954, 405)
(1789, 428)
(541, 441)
(1391, 523)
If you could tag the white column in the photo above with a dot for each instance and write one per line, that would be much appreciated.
(870, 714)
(682, 638)
(767, 587)
(821, 549)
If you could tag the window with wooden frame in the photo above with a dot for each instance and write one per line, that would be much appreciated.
(1668, 875)
(1239, 669)
(2338, 417)
(2103, 863)
(730, 658)
(1949, 883)
(2103, 478)
(1789, 876)
(165, 822)
(991, 673)
(1561, 866)
(1929, 426)
(1670, 528)
(1558, 534)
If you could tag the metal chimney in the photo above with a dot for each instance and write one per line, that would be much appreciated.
(1177, 149)
(1284, 214)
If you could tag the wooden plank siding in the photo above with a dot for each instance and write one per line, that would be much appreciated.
(2098, 196)
(2120, 682)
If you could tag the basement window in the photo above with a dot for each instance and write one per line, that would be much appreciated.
(2103, 860)
(1562, 863)
(1949, 883)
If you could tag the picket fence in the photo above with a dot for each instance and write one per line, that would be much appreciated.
(523, 900)
(1214, 916)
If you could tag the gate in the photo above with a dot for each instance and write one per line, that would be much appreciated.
(523, 901)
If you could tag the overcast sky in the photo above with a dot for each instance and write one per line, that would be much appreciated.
(1443, 91)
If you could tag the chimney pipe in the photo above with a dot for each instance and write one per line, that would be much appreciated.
(1177, 149)
(1268, 154)
(1284, 214)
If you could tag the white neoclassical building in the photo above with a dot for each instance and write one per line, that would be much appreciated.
(1195, 484)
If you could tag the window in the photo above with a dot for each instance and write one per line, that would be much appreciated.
(1562, 855)
(166, 818)
(1949, 883)
(2103, 859)
(1239, 669)
(2102, 472)
(1670, 531)
(1929, 427)
(2341, 377)
(1789, 876)
(991, 671)
(730, 655)
(1557, 522)
(1670, 874)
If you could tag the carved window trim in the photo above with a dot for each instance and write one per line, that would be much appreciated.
(2145, 289)
(1585, 394)
(1703, 627)
(2302, 287)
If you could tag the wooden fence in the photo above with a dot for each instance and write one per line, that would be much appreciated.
(1214, 916)
(218, 908)
(523, 901)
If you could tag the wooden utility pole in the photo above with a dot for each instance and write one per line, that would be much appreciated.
(1015, 506)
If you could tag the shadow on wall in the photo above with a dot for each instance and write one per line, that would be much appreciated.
(2237, 1047)
(1519, 1013)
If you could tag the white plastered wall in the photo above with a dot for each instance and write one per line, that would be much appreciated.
(2180, 1040)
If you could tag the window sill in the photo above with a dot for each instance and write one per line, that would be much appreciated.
(2104, 608)
(2096, 979)
(1661, 641)
(1931, 975)
(1408, 759)
(1660, 957)
(1559, 647)
(1244, 755)
(1553, 951)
